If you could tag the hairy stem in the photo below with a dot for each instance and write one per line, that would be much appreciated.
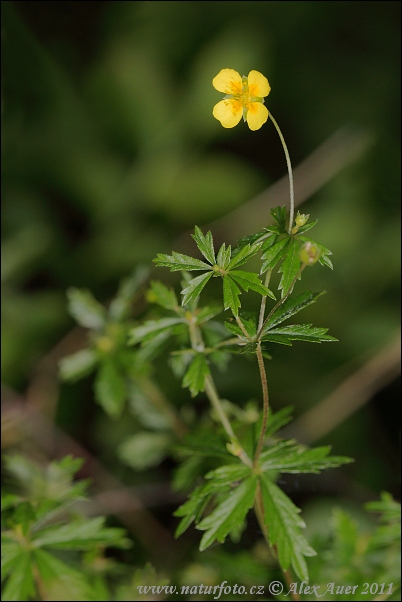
(265, 399)
(263, 302)
(292, 198)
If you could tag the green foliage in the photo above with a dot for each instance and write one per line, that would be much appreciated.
(42, 537)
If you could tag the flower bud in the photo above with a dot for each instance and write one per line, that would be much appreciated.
(300, 220)
(309, 253)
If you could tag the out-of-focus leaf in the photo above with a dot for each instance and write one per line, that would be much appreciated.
(20, 584)
(162, 295)
(120, 306)
(110, 389)
(152, 328)
(85, 309)
(77, 365)
(195, 376)
(61, 581)
(80, 535)
(144, 449)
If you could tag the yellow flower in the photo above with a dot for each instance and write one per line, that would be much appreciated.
(244, 98)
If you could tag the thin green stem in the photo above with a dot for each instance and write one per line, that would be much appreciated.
(292, 197)
(241, 326)
(264, 302)
(214, 398)
(198, 345)
(265, 409)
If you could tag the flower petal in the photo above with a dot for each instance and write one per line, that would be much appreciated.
(257, 115)
(228, 81)
(228, 112)
(258, 84)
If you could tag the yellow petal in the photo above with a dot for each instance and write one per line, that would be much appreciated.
(228, 81)
(228, 112)
(257, 115)
(258, 84)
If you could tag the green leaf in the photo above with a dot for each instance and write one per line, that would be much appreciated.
(229, 513)
(223, 257)
(226, 475)
(177, 262)
(324, 252)
(193, 509)
(290, 268)
(61, 581)
(152, 328)
(307, 226)
(280, 216)
(277, 420)
(162, 295)
(85, 309)
(145, 449)
(295, 459)
(231, 294)
(298, 332)
(76, 366)
(10, 552)
(284, 523)
(249, 348)
(292, 306)
(121, 304)
(274, 253)
(244, 255)
(110, 389)
(207, 313)
(249, 280)
(80, 535)
(20, 584)
(195, 376)
(205, 244)
(193, 290)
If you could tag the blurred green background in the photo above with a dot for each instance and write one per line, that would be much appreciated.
(110, 154)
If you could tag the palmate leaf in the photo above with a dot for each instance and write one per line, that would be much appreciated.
(231, 294)
(292, 306)
(282, 519)
(249, 280)
(229, 513)
(194, 288)
(274, 253)
(297, 332)
(193, 509)
(280, 216)
(205, 244)
(223, 257)
(290, 267)
(177, 262)
(195, 376)
(244, 255)
(289, 457)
